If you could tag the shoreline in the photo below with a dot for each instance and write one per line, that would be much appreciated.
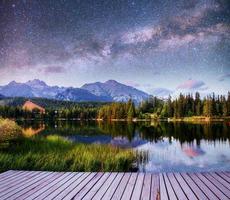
(182, 119)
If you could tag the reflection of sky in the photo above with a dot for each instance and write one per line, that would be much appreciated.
(124, 142)
(100, 139)
(165, 156)
(104, 139)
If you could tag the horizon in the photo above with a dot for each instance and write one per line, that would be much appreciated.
(173, 95)
(157, 48)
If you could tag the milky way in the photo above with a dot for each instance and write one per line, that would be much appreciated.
(160, 47)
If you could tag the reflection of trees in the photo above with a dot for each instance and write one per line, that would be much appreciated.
(188, 132)
(114, 129)
(142, 158)
(72, 128)
(150, 133)
(184, 132)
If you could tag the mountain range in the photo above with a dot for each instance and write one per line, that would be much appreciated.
(109, 91)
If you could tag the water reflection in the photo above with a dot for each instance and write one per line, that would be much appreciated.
(30, 131)
(166, 146)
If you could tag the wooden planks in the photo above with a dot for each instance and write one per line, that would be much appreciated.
(120, 186)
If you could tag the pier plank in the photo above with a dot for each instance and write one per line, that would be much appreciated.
(146, 190)
(27, 189)
(170, 190)
(64, 186)
(155, 186)
(97, 186)
(209, 193)
(105, 186)
(29, 185)
(47, 187)
(109, 193)
(89, 186)
(163, 190)
(138, 187)
(55, 186)
(221, 187)
(65, 192)
(176, 187)
(79, 187)
(211, 186)
(187, 190)
(221, 180)
(121, 187)
(18, 189)
(194, 187)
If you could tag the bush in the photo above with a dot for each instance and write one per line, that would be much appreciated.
(9, 130)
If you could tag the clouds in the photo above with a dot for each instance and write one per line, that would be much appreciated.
(224, 77)
(144, 34)
(174, 32)
(161, 92)
(192, 85)
(190, 26)
(187, 86)
(184, 30)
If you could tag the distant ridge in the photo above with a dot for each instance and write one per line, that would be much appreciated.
(116, 91)
(109, 91)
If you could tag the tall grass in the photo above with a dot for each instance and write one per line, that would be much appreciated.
(55, 153)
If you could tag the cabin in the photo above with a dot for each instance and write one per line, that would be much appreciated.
(30, 106)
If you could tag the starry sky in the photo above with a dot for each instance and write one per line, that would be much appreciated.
(161, 47)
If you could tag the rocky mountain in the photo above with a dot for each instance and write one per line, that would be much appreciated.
(108, 91)
(77, 94)
(14, 89)
(33, 88)
(41, 89)
(115, 91)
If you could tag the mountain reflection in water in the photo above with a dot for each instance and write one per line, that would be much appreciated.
(169, 146)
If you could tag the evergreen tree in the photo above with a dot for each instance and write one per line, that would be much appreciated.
(170, 107)
(225, 108)
(131, 112)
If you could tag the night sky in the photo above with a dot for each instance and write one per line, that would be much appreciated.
(160, 47)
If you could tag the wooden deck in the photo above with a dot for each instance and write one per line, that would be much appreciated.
(74, 185)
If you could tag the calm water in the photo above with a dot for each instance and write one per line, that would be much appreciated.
(166, 146)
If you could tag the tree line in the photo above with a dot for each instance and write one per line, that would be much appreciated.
(75, 112)
(188, 106)
(183, 106)
(118, 111)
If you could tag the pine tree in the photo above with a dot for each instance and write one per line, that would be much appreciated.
(228, 104)
(197, 104)
(170, 107)
(225, 108)
(131, 112)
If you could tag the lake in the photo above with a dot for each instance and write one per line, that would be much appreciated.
(164, 146)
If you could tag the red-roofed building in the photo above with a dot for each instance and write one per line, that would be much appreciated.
(30, 106)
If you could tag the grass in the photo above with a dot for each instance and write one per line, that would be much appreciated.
(55, 153)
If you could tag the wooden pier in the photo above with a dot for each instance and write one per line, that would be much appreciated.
(86, 185)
